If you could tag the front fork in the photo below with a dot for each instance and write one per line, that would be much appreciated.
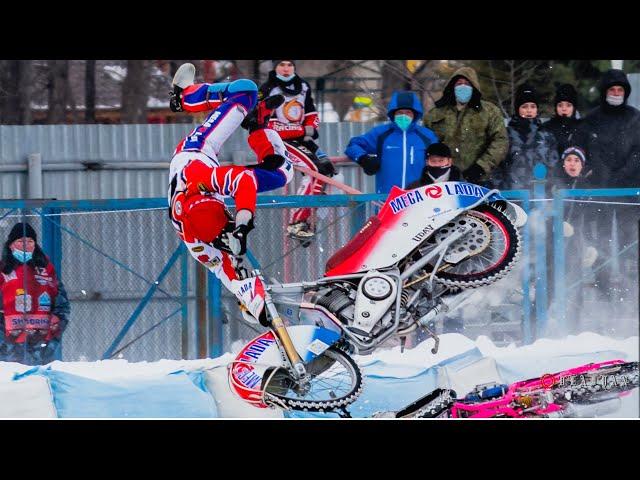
(280, 330)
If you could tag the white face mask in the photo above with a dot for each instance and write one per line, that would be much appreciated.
(615, 100)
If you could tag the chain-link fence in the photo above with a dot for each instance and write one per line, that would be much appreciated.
(595, 277)
(125, 274)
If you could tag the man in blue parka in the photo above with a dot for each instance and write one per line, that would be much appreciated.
(394, 152)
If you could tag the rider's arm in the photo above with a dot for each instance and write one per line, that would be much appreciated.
(311, 118)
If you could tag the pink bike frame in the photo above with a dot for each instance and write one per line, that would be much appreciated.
(514, 402)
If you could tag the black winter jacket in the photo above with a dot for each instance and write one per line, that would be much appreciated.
(611, 138)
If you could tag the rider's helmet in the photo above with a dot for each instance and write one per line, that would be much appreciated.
(207, 218)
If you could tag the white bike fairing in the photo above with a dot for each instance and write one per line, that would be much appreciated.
(407, 218)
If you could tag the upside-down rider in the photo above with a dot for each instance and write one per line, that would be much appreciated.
(198, 184)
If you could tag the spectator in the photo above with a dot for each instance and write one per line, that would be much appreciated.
(35, 309)
(296, 121)
(529, 144)
(564, 123)
(580, 242)
(472, 127)
(394, 152)
(439, 167)
(574, 173)
(610, 134)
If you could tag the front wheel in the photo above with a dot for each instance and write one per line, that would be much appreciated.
(335, 382)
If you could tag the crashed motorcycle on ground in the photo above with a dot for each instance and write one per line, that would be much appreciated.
(590, 390)
(418, 258)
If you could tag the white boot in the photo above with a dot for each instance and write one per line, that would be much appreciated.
(185, 75)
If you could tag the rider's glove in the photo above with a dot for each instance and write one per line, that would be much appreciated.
(325, 166)
(473, 174)
(175, 101)
(238, 238)
(369, 163)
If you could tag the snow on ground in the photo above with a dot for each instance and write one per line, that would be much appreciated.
(387, 372)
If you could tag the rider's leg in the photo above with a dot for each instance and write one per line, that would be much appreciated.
(223, 121)
(274, 168)
(300, 224)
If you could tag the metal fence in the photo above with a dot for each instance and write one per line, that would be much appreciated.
(80, 162)
(125, 272)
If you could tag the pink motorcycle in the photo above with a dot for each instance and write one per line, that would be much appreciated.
(586, 391)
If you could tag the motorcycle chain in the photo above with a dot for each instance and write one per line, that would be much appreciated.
(435, 408)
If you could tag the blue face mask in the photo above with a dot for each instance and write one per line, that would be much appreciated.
(402, 121)
(463, 93)
(22, 256)
(285, 79)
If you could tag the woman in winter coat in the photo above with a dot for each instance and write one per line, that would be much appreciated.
(565, 122)
(35, 308)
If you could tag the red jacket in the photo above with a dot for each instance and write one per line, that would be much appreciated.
(27, 295)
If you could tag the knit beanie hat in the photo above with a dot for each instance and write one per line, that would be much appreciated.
(439, 149)
(578, 152)
(276, 62)
(20, 230)
(566, 93)
(525, 94)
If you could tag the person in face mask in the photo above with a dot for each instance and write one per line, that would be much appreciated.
(472, 126)
(394, 152)
(529, 144)
(35, 308)
(610, 134)
(565, 122)
(439, 167)
(296, 122)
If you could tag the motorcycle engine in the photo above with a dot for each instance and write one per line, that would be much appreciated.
(339, 299)
(364, 308)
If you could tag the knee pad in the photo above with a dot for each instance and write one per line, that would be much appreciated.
(242, 85)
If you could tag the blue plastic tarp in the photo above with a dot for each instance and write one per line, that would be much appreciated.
(177, 395)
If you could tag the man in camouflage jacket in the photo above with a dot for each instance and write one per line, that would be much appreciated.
(472, 127)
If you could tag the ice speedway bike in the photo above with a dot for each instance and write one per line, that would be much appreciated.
(589, 390)
(418, 258)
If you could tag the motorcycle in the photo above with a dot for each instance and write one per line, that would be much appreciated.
(586, 391)
(420, 257)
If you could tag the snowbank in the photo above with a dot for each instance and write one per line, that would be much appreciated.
(199, 388)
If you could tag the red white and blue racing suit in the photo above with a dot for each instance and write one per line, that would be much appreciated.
(195, 162)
